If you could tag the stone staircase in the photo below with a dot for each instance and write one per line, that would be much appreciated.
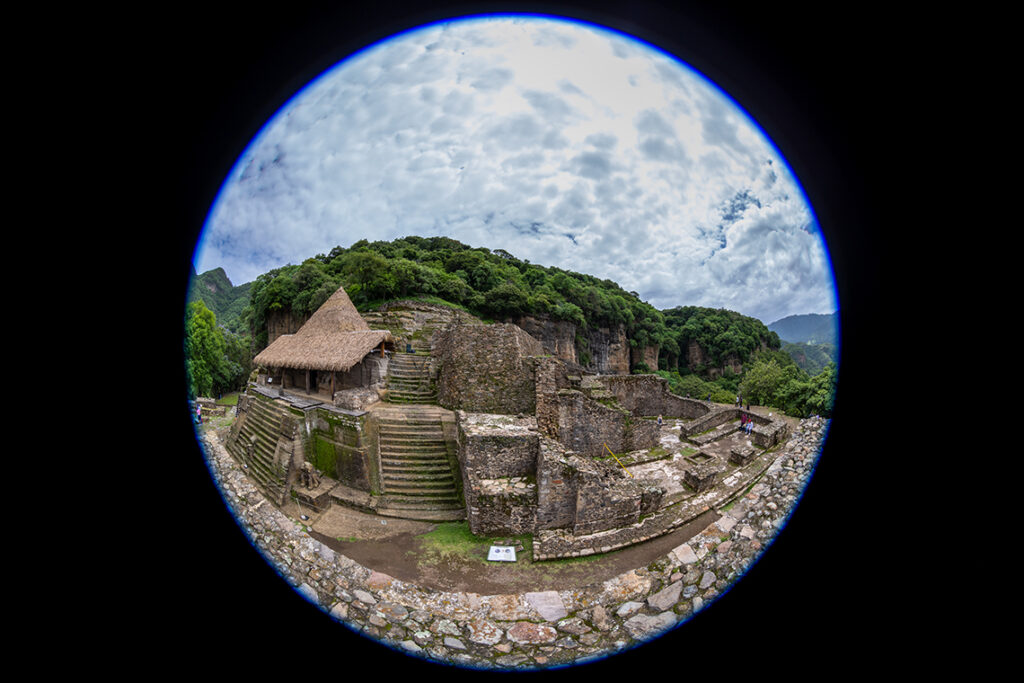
(591, 386)
(417, 480)
(263, 441)
(409, 378)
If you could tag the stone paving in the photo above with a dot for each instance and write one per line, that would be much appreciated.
(531, 630)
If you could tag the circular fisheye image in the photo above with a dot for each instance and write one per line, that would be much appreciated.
(512, 343)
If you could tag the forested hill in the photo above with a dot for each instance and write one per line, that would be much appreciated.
(811, 328)
(497, 286)
(225, 300)
(702, 352)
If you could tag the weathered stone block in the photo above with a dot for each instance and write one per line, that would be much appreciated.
(702, 472)
(484, 368)
(741, 455)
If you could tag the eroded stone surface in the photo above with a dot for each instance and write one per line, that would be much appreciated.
(528, 632)
(467, 629)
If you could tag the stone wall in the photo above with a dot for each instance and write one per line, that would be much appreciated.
(587, 495)
(526, 631)
(336, 446)
(585, 426)
(485, 368)
(550, 376)
(333, 440)
(767, 431)
(498, 459)
(606, 498)
(648, 395)
(556, 490)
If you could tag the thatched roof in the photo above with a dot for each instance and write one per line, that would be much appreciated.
(335, 338)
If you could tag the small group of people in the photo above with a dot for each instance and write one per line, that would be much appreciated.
(746, 423)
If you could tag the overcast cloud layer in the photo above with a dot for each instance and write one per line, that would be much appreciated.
(564, 145)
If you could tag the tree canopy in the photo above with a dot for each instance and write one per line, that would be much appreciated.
(491, 284)
(495, 285)
(216, 360)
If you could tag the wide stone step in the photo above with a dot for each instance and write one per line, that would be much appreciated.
(412, 461)
(437, 452)
(405, 441)
(412, 421)
(412, 400)
(418, 363)
(448, 513)
(436, 449)
(432, 433)
(427, 470)
(408, 381)
(410, 393)
(413, 368)
(413, 441)
(425, 494)
(410, 390)
(407, 482)
(413, 458)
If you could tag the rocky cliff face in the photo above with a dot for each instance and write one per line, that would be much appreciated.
(609, 351)
(647, 355)
(414, 322)
(697, 358)
(282, 322)
(558, 337)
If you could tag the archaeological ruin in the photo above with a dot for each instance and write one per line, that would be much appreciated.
(424, 412)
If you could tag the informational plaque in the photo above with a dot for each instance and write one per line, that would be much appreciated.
(502, 553)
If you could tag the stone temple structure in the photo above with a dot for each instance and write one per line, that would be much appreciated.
(481, 422)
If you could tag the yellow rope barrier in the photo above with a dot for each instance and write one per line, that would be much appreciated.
(620, 462)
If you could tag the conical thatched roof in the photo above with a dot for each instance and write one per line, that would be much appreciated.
(334, 338)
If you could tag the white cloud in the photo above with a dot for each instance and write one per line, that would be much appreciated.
(563, 145)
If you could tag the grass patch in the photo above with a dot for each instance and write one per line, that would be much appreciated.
(454, 541)
(455, 538)
(228, 399)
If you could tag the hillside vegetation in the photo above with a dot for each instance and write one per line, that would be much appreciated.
(495, 285)
(225, 300)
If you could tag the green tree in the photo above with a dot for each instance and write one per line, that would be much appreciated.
(762, 382)
(822, 394)
(204, 351)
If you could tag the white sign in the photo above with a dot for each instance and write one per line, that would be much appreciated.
(500, 553)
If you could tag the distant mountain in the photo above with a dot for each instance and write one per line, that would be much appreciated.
(811, 358)
(220, 296)
(811, 328)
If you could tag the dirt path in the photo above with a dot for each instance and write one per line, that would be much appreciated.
(400, 549)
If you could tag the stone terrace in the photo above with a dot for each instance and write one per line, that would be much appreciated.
(530, 630)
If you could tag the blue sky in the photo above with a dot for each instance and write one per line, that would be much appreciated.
(561, 143)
